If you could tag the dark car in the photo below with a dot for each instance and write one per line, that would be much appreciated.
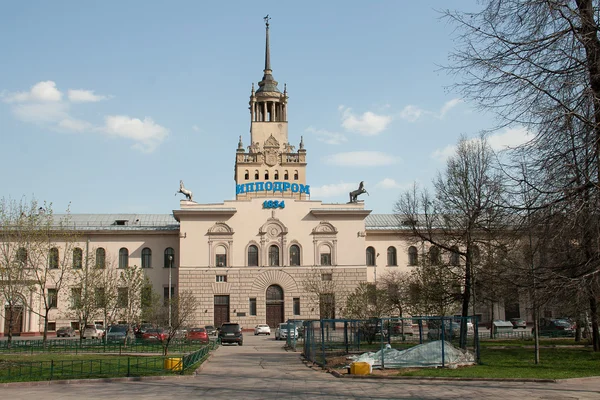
(231, 333)
(555, 327)
(120, 333)
(518, 323)
(210, 330)
(65, 331)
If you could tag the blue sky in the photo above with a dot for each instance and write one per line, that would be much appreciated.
(107, 105)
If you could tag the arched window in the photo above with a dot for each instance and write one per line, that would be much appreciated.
(169, 258)
(266, 175)
(391, 256)
(221, 256)
(294, 255)
(123, 258)
(100, 257)
(370, 256)
(325, 253)
(247, 175)
(454, 256)
(286, 176)
(274, 255)
(146, 258)
(274, 294)
(77, 258)
(434, 256)
(295, 175)
(413, 256)
(252, 256)
(22, 257)
(256, 176)
(53, 258)
(276, 177)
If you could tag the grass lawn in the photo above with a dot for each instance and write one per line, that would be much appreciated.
(44, 366)
(518, 362)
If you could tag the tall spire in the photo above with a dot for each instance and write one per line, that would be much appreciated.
(267, 51)
(268, 83)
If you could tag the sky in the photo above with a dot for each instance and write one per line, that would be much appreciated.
(106, 106)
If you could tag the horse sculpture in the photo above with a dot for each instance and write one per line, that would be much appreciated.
(355, 193)
(183, 190)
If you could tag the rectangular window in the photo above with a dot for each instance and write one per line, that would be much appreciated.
(75, 325)
(253, 306)
(122, 297)
(296, 306)
(221, 260)
(327, 305)
(326, 259)
(100, 297)
(326, 277)
(75, 298)
(53, 298)
(221, 278)
(51, 326)
(166, 294)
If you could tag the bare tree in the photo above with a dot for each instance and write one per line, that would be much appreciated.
(461, 216)
(537, 64)
(326, 291)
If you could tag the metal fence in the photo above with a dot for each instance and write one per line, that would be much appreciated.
(324, 339)
(11, 371)
(95, 346)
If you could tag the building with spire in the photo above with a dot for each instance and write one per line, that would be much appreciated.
(272, 254)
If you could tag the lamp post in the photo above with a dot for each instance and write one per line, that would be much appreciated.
(170, 274)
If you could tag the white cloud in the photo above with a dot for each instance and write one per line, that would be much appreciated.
(74, 125)
(412, 113)
(443, 154)
(361, 159)
(449, 105)
(367, 124)
(40, 113)
(332, 190)
(44, 91)
(84, 96)
(388, 183)
(510, 137)
(327, 136)
(195, 128)
(147, 134)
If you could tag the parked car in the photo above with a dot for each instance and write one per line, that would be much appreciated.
(518, 323)
(400, 327)
(120, 333)
(198, 334)
(155, 335)
(281, 333)
(555, 327)
(140, 330)
(262, 329)
(434, 329)
(65, 331)
(92, 331)
(231, 332)
(211, 330)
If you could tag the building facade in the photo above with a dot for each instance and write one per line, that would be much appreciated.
(250, 260)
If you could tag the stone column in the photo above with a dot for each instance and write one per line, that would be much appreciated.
(264, 111)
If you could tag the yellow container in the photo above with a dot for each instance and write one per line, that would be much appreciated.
(360, 368)
(173, 363)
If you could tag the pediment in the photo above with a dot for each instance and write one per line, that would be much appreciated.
(273, 228)
(271, 142)
(220, 228)
(324, 228)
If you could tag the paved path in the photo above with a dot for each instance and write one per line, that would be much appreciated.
(261, 369)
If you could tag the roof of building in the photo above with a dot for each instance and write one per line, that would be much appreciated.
(118, 221)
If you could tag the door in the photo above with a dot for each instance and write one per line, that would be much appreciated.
(17, 320)
(221, 310)
(274, 306)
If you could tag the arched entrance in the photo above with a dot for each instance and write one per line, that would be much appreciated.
(274, 305)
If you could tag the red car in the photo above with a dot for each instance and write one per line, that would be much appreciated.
(198, 334)
(155, 334)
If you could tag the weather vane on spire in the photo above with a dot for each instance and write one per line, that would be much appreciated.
(267, 18)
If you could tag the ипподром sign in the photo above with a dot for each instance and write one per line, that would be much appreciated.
(252, 187)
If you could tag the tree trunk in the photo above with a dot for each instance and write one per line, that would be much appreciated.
(594, 312)
(45, 336)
